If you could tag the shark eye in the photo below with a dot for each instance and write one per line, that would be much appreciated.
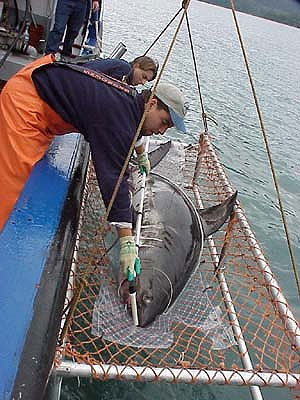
(147, 299)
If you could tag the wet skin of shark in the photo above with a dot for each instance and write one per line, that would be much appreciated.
(171, 244)
(170, 247)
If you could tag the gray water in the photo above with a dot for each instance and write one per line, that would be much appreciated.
(274, 59)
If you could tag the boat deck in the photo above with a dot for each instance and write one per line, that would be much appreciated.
(14, 62)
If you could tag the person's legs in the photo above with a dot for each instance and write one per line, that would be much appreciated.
(63, 11)
(73, 27)
(92, 38)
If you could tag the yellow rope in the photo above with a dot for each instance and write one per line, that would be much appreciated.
(267, 148)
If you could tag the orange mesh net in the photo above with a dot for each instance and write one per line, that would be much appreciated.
(241, 285)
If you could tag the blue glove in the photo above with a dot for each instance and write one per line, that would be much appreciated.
(144, 163)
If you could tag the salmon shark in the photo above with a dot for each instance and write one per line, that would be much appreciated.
(171, 242)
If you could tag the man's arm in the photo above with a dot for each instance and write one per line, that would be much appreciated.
(124, 232)
(140, 149)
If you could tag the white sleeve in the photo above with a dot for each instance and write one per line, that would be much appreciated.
(122, 224)
(139, 142)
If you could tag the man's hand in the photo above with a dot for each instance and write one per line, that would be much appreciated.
(128, 256)
(144, 163)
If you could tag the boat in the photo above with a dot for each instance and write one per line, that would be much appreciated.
(247, 333)
(37, 243)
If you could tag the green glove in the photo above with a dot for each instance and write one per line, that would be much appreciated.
(144, 163)
(128, 256)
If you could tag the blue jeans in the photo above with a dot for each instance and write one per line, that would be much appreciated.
(70, 14)
(92, 38)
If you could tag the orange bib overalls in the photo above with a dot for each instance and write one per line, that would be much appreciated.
(27, 127)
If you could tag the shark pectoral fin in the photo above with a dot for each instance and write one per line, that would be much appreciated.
(214, 217)
(156, 155)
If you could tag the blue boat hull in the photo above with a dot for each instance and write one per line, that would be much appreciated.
(36, 247)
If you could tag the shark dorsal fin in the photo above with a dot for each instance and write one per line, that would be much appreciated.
(159, 153)
(214, 217)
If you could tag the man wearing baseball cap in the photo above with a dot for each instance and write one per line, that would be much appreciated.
(46, 98)
(173, 98)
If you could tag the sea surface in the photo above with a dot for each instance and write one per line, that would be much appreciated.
(274, 59)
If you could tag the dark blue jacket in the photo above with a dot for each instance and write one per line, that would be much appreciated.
(107, 117)
(113, 67)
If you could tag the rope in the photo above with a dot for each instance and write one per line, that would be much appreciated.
(204, 117)
(72, 306)
(267, 149)
(161, 33)
(184, 6)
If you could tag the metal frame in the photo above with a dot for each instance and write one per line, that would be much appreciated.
(243, 350)
(248, 377)
(286, 315)
(147, 374)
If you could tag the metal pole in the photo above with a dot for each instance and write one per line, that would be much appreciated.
(141, 205)
(244, 354)
(132, 294)
(70, 369)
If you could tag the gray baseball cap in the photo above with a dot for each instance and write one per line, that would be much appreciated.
(173, 98)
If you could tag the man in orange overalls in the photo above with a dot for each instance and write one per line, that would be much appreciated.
(47, 98)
